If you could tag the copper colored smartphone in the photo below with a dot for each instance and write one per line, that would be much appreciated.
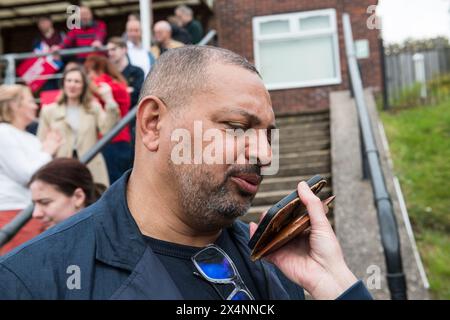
(284, 221)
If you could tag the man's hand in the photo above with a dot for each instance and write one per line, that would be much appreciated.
(314, 261)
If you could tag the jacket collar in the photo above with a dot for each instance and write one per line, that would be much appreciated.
(119, 243)
(60, 112)
(118, 239)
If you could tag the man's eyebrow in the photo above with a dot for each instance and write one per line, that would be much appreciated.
(252, 117)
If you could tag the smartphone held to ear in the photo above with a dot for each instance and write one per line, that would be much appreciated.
(287, 219)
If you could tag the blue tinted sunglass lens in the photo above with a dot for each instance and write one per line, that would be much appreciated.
(220, 270)
(241, 295)
(214, 264)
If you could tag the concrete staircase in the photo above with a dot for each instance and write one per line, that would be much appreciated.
(304, 152)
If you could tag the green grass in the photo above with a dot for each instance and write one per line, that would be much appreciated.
(419, 140)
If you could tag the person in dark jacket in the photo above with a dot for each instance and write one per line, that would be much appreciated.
(179, 33)
(159, 231)
(194, 27)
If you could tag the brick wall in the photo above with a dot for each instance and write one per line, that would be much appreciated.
(233, 19)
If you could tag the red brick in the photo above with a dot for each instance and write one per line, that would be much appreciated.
(234, 26)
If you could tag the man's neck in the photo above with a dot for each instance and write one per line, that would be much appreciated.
(157, 215)
(136, 43)
(48, 33)
(122, 64)
(165, 43)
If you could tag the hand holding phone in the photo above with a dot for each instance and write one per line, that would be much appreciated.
(287, 219)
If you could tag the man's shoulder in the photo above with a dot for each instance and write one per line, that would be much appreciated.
(175, 44)
(100, 23)
(56, 237)
(134, 70)
(41, 265)
(195, 24)
(67, 239)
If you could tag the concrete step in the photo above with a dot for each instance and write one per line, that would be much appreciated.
(304, 145)
(305, 156)
(303, 169)
(303, 118)
(254, 213)
(269, 198)
(287, 137)
(325, 124)
(302, 129)
(287, 183)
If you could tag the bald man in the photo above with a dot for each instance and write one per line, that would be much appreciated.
(163, 38)
(170, 229)
(137, 54)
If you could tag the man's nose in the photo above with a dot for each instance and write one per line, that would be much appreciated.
(262, 150)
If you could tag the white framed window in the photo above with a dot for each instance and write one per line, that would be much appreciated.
(296, 50)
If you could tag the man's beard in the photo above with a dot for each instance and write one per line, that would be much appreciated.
(208, 204)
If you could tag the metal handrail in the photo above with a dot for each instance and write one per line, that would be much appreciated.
(61, 52)
(386, 219)
(13, 227)
(207, 38)
(10, 58)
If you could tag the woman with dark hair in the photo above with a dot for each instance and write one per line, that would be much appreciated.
(102, 72)
(60, 189)
(80, 119)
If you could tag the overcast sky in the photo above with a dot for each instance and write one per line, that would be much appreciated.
(417, 19)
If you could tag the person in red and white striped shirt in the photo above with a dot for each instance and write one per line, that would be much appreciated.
(92, 32)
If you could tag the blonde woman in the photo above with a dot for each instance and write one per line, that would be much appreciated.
(21, 155)
(80, 120)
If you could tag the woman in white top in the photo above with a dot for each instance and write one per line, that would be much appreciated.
(21, 153)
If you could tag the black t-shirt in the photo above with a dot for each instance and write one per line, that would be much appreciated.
(176, 259)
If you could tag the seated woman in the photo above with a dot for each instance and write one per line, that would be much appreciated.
(80, 119)
(60, 189)
(21, 154)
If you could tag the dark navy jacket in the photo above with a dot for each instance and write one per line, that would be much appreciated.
(103, 247)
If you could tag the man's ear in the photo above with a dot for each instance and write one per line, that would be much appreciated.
(148, 121)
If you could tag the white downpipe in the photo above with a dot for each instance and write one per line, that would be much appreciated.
(145, 7)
